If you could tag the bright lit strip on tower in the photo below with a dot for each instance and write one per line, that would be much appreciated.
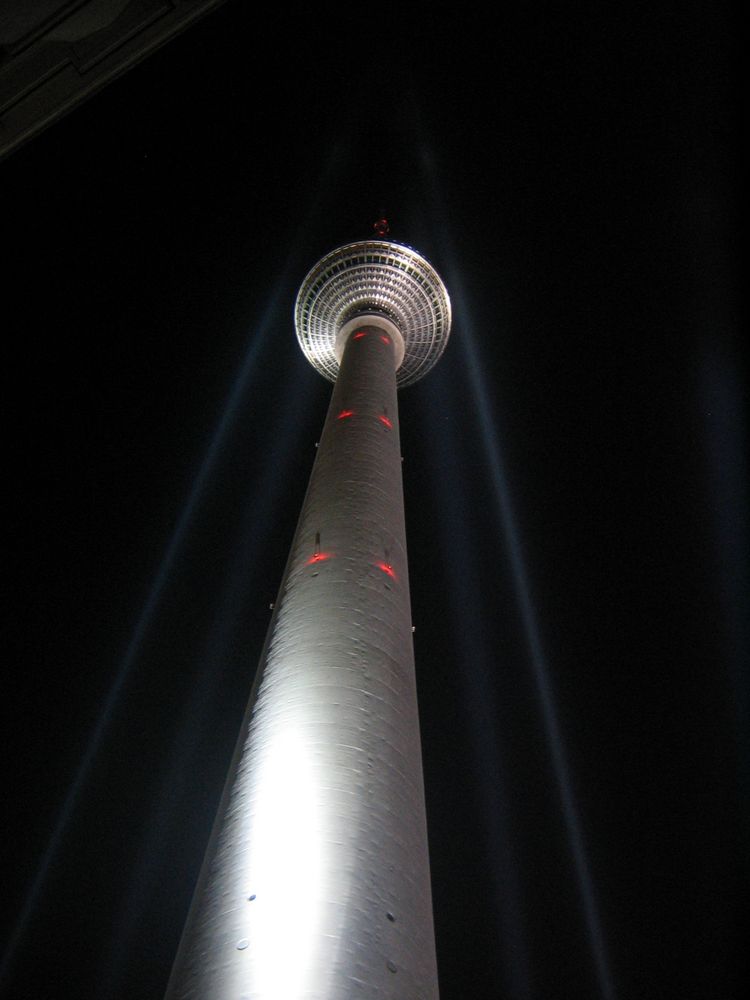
(285, 873)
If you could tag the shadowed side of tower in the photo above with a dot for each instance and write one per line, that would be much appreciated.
(316, 881)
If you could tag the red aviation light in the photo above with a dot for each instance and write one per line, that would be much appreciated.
(344, 414)
(387, 568)
(359, 335)
(318, 557)
(385, 421)
(385, 339)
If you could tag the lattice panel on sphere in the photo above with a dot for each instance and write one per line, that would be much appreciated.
(374, 277)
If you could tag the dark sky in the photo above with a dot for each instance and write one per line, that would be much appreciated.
(575, 478)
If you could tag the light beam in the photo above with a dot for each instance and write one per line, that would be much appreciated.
(537, 657)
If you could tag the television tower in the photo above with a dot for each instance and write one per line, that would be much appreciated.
(316, 880)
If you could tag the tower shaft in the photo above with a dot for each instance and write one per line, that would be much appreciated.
(316, 881)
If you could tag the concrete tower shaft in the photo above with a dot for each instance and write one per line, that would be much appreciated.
(316, 882)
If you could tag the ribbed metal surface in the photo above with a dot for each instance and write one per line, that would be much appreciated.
(316, 883)
(374, 277)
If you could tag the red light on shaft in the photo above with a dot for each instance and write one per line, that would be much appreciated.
(386, 340)
(344, 414)
(317, 557)
(387, 568)
(360, 335)
(385, 421)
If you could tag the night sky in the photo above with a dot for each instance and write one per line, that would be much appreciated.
(575, 478)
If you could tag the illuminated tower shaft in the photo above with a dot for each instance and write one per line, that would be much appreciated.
(316, 881)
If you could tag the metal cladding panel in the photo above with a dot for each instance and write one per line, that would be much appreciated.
(316, 882)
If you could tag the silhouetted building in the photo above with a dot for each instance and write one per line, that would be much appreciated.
(54, 54)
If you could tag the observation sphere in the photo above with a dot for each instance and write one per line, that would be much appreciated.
(370, 279)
